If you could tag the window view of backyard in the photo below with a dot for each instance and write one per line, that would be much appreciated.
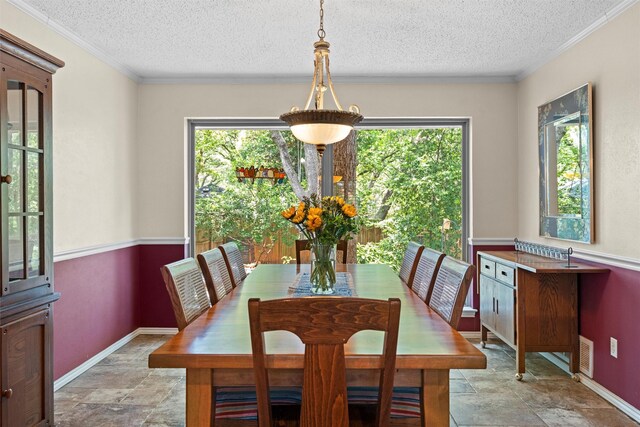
(408, 186)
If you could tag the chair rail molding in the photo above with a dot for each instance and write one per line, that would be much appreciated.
(107, 247)
(490, 241)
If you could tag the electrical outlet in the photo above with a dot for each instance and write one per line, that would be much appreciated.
(614, 347)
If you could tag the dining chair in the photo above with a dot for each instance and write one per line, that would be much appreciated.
(324, 325)
(450, 289)
(187, 290)
(303, 245)
(426, 272)
(410, 263)
(235, 264)
(216, 275)
(235, 406)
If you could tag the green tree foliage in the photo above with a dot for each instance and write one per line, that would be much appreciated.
(569, 175)
(227, 209)
(408, 182)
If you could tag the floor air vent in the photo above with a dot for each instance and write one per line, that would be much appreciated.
(586, 356)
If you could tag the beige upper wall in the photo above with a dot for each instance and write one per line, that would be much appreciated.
(162, 156)
(609, 59)
(94, 140)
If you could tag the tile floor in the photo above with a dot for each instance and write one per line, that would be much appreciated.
(122, 391)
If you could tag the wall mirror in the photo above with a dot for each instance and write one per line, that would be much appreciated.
(565, 141)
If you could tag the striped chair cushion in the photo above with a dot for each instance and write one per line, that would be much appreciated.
(405, 402)
(241, 402)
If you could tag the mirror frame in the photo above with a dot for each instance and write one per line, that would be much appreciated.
(580, 229)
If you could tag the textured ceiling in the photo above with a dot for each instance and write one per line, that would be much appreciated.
(274, 38)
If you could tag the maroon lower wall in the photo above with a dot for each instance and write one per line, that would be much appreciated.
(609, 304)
(155, 306)
(107, 296)
(98, 306)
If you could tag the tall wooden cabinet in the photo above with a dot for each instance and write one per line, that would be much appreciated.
(27, 293)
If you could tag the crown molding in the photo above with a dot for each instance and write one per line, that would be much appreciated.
(305, 79)
(608, 16)
(74, 38)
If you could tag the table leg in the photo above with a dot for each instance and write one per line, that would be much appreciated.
(199, 398)
(435, 397)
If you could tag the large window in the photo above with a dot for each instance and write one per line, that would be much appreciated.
(411, 184)
(409, 187)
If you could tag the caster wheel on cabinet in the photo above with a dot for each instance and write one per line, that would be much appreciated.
(575, 377)
(519, 376)
(483, 344)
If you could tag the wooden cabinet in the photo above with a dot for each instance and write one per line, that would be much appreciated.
(531, 303)
(26, 247)
(26, 350)
(497, 308)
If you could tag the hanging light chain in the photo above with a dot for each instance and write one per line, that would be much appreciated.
(321, 32)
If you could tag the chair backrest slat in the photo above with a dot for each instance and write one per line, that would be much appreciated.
(450, 289)
(187, 290)
(324, 324)
(303, 245)
(410, 262)
(216, 274)
(426, 272)
(234, 261)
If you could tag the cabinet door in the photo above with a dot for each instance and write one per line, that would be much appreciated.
(25, 188)
(487, 301)
(505, 312)
(26, 381)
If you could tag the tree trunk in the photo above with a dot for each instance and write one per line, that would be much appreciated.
(383, 210)
(312, 167)
(344, 165)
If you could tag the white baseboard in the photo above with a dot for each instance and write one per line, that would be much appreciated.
(157, 331)
(79, 370)
(76, 372)
(615, 400)
(607, 395)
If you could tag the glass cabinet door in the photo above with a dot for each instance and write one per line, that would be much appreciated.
(23, 211)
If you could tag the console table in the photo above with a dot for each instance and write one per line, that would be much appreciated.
(531, 303)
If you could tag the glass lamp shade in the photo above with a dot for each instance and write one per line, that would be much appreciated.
(320, 133)
(321, 127)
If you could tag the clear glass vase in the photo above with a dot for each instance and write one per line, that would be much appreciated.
(323, 269)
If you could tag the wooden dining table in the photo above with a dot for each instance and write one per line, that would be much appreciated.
(216, 348)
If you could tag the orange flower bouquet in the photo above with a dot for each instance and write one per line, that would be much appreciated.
(323, 222)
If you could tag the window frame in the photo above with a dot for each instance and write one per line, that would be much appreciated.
(264, 123)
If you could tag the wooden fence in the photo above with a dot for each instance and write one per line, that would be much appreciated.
(280, 248)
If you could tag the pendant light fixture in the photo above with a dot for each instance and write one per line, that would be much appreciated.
(319, 126)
